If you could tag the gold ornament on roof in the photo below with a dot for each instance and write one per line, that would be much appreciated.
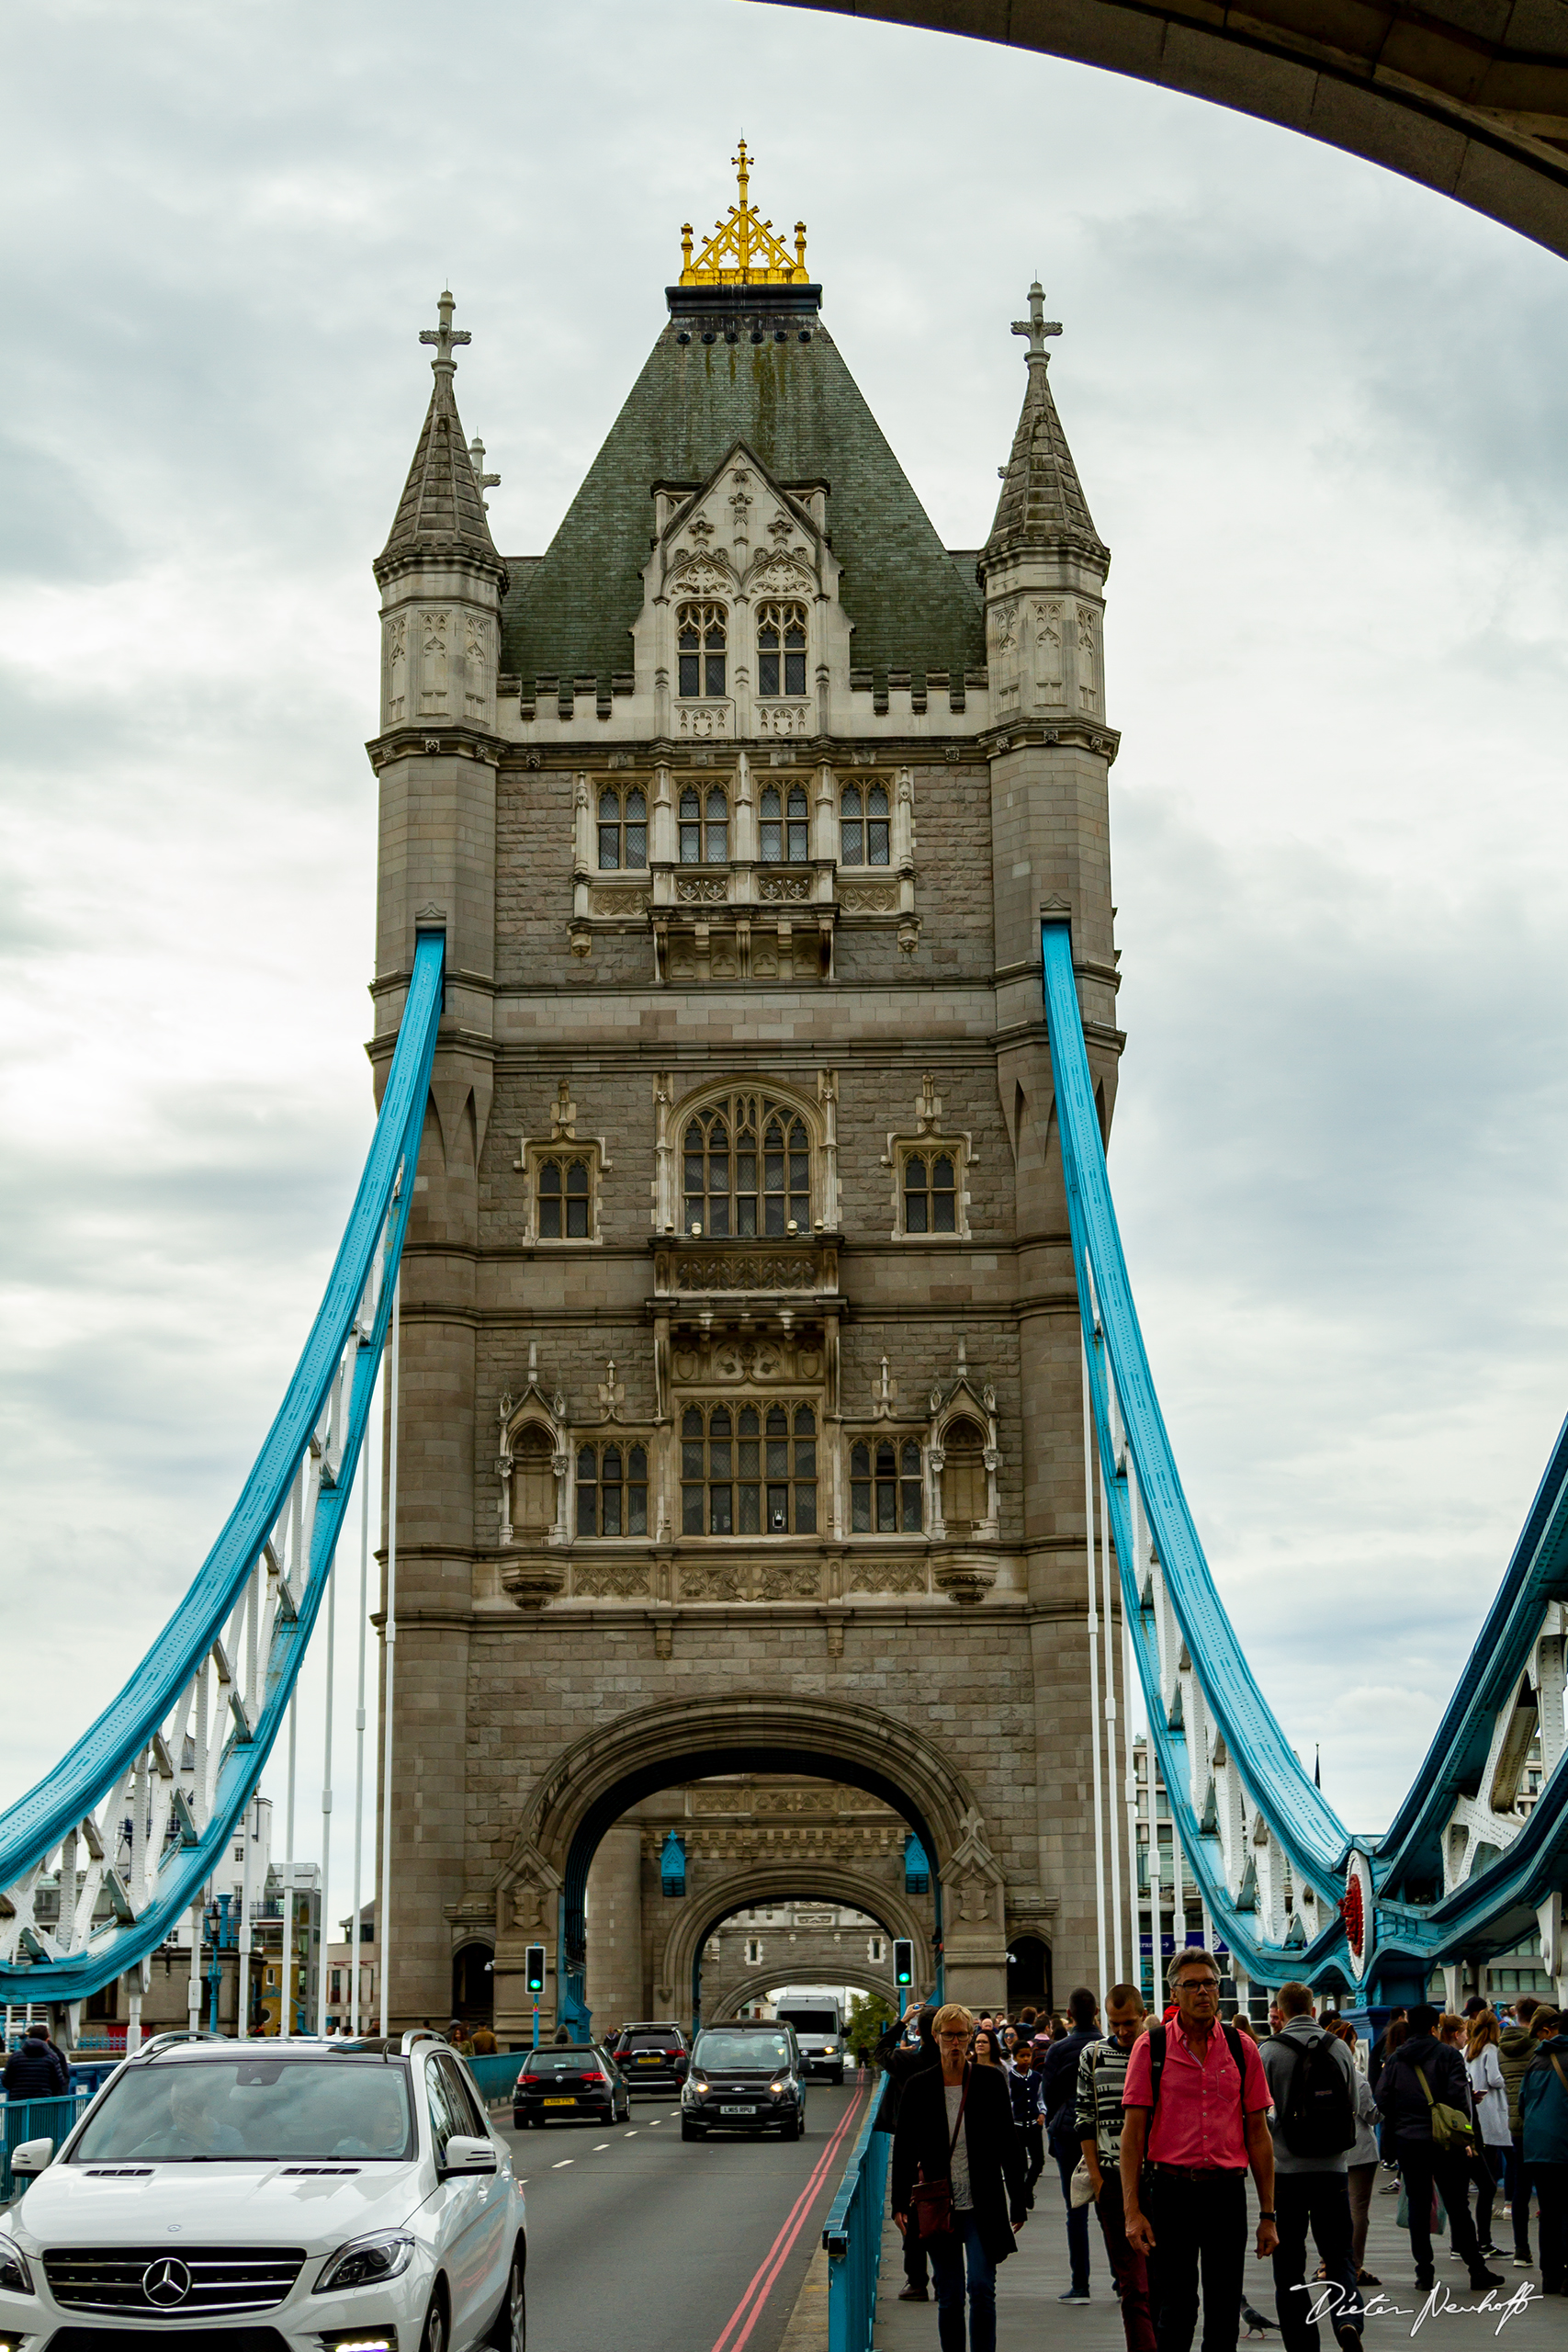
(744, 250)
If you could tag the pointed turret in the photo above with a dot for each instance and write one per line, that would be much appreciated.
(442, 510)
(1042, 508)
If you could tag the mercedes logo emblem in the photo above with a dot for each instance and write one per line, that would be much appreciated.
(165, 2283)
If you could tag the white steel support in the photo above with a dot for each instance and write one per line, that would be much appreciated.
(384, 1912)
(286, 1973)
(242, 2024)
(1093, 1626)
(1108, 1634)
(193, 1994)
(359, 1736)
(326, 1809)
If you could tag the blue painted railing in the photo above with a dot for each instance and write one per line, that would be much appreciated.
(852, 2236)
(497, 2075)
(22, 2119)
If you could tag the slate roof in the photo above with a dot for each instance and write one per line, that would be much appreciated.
(796, 403)
(1042, 503)
(442, 510)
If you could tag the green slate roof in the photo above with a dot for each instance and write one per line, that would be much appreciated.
(796, 405)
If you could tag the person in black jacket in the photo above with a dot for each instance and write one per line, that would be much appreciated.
(900, 2059)
(955, 2124)
(37, 2069)
(1423, 2065)
(1058, 2105)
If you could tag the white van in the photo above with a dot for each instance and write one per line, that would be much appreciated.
(819, 2023)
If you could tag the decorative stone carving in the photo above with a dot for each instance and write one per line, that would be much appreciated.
(434, 685)
(397, 668)
(782, 718)
(702, 574)
(776, 574)
(746, 1273)
(700, 720)
(1089, 676)
(778, 888)
(715, 1580)
(702, 890)
(886, 1575)
(622, 1580)
(869, 897)
(790, 1580)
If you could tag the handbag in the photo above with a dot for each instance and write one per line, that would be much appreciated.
(1453, 2132)
(930, 2201)
(1080, 2189)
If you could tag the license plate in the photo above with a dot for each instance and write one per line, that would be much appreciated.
(557, 2102)
(738, 2111)
(648, 2062)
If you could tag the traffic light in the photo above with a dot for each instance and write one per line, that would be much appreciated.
(903, 1963)
(535, 1969)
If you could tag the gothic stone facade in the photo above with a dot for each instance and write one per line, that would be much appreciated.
(740, 1390)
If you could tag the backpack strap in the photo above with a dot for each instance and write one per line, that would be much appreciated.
(1156, 2039)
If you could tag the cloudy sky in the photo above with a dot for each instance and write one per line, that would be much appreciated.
(1317, 415)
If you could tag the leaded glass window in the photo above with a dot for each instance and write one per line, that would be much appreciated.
(885, 1492)
(623, 829)
(702, 633)
(749, 1470)
(566, 1201)
(784, 830)
(864, 838)
(746, 1169)
(931, 1192)
(705, 826)
(612, 1490)
(781, 649)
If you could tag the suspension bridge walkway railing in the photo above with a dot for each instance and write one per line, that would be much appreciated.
(1466, 1870)
(103, 1860)
(852, 2236)
(22, 2119)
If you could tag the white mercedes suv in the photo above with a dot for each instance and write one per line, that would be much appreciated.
(270, 2196)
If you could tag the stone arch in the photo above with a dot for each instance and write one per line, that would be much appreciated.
(862, 1976)
(600, 1776)
(765, 1884)
(1478, 116)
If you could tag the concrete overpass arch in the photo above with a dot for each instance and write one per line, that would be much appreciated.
(764, 1887)
(1471, 101)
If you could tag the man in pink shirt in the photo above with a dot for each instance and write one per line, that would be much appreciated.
(1197, 2102)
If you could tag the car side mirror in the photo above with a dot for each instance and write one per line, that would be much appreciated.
(462, 2155)
(32, 2156)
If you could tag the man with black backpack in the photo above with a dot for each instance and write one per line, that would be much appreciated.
(1313, 2078)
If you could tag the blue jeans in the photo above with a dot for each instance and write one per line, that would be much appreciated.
(949, 2258)
(1077, 2225)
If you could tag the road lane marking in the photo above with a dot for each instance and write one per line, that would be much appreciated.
(563, 2164)
(601, 2148)
(629, 2135)
(773, 2262)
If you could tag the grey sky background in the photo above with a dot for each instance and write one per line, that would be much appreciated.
(1317, 415)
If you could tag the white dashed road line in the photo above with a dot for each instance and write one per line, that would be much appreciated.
(601, 2148)
(563, 2164)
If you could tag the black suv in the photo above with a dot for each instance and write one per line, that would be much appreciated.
(744, 2077)
(655, 2056)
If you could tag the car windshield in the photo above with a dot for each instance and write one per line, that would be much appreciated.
(757, 2051)
(561, 2061)
(234, 2109)
(810, 2020)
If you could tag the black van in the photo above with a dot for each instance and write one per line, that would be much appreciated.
(745, 2076)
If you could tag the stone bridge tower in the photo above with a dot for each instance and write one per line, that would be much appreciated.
(741, 1425)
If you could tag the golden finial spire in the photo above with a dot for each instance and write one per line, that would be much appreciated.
(743, 249)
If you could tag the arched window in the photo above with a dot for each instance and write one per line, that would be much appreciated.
(566, 1201)
(533, 1484)
(731, 1187)
(930, 1193)
(748, 1470)
(884, 1487)
(612, 1490)
(963, 1484)
(781, 649)
(623, 829)
(702, 631)
(705, 826)
(863, 836)
(785, 834)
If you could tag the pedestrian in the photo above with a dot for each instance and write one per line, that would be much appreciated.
(1244, 2024)
(988, 2049)
(1009, 2038)
(1276, 2016)
(1422, 2075)
(1102, 2076)
(1361, 2164)
(1543, 2107)
(1058, 2096)
(905, 2051)
(484, 2043)
(1514, 2052)
(1197, 2102)
(1313, 2079)
(37, 2069)
(1034, 2131)
(1384, 2048)
(1023, 2087)
(955, 2132)
(1489, 2097)
(1451, 2030)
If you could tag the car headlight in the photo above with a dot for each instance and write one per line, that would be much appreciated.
(780, 2083)
(15, 2276)
(366, 2262)
(829, 2049)
(698, 2083)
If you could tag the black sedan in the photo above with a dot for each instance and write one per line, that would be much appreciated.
(569, 2081)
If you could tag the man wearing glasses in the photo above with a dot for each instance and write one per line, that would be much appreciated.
(1197, 2106)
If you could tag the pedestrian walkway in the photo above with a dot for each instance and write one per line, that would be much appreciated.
(1029, 2316)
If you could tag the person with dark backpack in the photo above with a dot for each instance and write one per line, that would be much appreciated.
(1313, 2078)
(1424, 2093)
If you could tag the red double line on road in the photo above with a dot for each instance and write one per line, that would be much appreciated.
(749, 2308)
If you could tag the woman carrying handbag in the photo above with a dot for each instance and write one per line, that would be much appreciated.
(958, 2180)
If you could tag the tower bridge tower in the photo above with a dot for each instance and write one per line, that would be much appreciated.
(741, 1427)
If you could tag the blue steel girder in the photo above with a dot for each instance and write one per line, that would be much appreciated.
(162, 1759)
(1256, 1832)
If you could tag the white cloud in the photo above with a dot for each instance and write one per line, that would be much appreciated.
(1315, 411)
